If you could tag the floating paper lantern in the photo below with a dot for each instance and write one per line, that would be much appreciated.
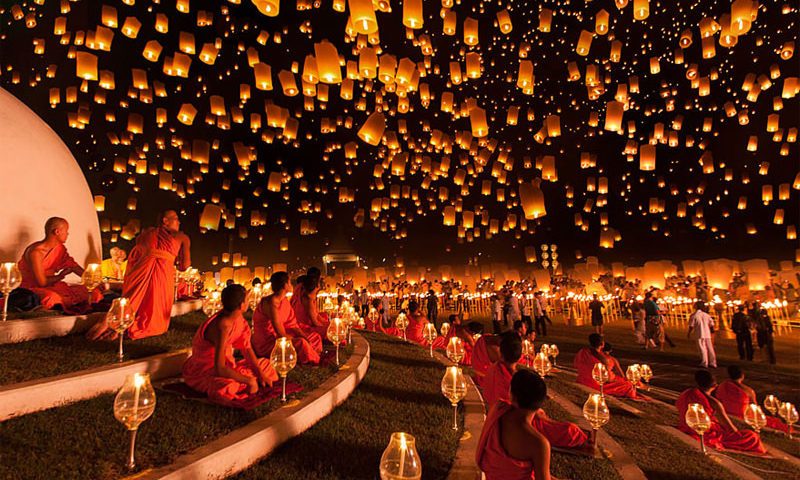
(270, 8)
(412, 14)
(641, 9)
(372, 130)
(532, 201)
(363, 17)
(328, 62)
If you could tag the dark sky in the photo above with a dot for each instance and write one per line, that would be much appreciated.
(663, 97)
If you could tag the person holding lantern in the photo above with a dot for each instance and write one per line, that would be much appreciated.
(496, 387)
(509, 446)
(149, 283)
(45, 264)
(735, 396)
(274, 318)
(585, 360)
(212, 368)
(722, 434)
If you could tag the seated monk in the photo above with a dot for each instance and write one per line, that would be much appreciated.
(723, 434)
(509, 447)
(114, 268)
(274, 318)
(735, 396)
(212, 368)
(485, 352)
(496, 389)
(45, 263)
(304, 304)
(585, 360)
(416, 324)
(465, 332)
(149, 283)
(522, 330)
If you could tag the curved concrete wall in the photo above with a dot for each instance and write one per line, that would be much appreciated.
(39, 178)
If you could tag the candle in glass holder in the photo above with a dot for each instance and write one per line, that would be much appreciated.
(134, 403)
(92, 276)
(400, 460)
(698, 420)
(647, 374)
(336, 333)
(373, 317)
(119, 317)
(455, 350)
(542, 364)
(528, 350)
(553, 350)
(600, 375)
(430, 335)
(788, 413)
(771, 403)
(754, 416)
(445, 328)
(10, 278)
(283, 358)
(402, 323)
(596, 412)
(633, 374)
(454, 388)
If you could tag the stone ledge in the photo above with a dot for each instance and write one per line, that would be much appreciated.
(246, 446)
(17, 331)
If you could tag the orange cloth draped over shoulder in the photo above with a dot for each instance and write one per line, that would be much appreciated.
(497, 388)
(718, 436)
(735, 400)
(616, 386)
(304, 318)
(149, 283)
(199, 371)
(74, 299)
(490, 455)
(481, 362)
(265, 336)
(415, 329)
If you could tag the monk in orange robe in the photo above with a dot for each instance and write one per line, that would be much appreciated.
(484, 354)
(45, 264)
(735, 396)
(585, 360)
(723, 434)
(149, 283)
(464, 332)
(416, 324)
(509, 447)
(274, 318)
(212, 368)
(496, 388)
(304, 304)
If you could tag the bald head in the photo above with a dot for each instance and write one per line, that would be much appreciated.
(169, 220)
(56, 227)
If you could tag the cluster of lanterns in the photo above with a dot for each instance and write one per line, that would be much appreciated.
(208, 90)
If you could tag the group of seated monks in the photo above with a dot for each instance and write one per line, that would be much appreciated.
(212, 369)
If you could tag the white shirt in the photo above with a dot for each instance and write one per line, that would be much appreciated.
(701, 324)
(538, 308)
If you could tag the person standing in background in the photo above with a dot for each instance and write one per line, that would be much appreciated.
(701, 329)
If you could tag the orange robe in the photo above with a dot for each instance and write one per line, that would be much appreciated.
(303, 318)
(497, 386)
(415, 329)
(718, 436)
(481, 362)
(199, 371)
(74, 299)
(265, 336)
(736, 401)
(441, 343)
(490, 455)
(616, 386)
(150, 281)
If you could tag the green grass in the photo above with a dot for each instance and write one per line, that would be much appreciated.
(34, 314)
(84, 441)
(20, 362)
(399, 393)
(576, 467)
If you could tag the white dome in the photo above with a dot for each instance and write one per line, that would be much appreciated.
(39, 178)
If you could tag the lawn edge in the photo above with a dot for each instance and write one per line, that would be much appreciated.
(247, 445)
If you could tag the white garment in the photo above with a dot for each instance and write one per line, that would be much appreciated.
(513, 309)
(538, 308)
(701, 324)
(708, 356)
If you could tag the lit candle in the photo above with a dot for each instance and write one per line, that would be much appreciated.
(402, 454)
(138, 381)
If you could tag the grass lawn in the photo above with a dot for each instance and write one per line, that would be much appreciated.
(84, 441)
(20, 362)
(655, 452)
(576, 467)
(400, 392)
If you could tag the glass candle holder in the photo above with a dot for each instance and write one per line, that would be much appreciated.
(400, 460)
(283, 359)
(454, 388)
(134, 403)
(698, 420)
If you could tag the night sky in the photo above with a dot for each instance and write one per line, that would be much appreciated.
(315, 167)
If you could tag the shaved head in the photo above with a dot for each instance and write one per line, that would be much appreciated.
(54, 223)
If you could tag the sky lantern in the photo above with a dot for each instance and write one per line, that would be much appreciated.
(470, 31)
(477, 118)
(372, 130)
(545, 20)
(86, 65)
(741, 16)
(504, 21)
(601, 22)
(363, 17)
(641, 9)
(412, 14)
(210, 218)
(647, 157)
(270, 8)
(584, 43)
(614, 112)
(532, 200)
(328, 62)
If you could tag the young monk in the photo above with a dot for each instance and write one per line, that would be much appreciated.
(416, 324)
(723, 434)
(484, 354)
(465, 332)
(585, 360)
(45, 264)
(149, 283)
(212, 368)
(274, 318)
(496, 389)
(304, 304)
(509, 447)
(735, 396)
